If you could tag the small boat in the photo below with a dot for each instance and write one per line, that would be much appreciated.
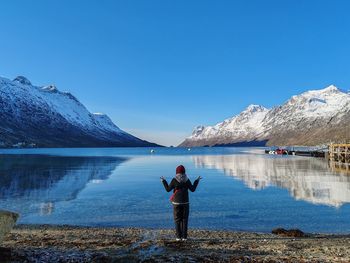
(281, 151)
(152, 151)
(189, 149)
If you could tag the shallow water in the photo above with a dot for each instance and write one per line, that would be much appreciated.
(242, 188)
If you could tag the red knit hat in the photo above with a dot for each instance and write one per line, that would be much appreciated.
(180, 169)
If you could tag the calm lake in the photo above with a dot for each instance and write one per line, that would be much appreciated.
(242, 188)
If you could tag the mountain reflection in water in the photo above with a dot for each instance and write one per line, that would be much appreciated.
(38, 181)
(308, 179)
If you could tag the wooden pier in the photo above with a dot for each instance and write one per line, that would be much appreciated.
(339, 153)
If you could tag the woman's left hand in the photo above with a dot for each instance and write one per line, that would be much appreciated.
(199, 178)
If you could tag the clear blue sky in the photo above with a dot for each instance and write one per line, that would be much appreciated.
(159, 68)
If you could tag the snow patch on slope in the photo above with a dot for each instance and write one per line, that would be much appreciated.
(103, 121)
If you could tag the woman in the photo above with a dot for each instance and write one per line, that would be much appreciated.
(180, 184)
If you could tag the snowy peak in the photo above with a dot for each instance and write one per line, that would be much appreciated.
(251, 110)
(252, 114)
(330, 88)
(325, 92)
(255, 108)
(197, 131)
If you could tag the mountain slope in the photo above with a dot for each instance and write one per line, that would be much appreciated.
(244, 127)
(47, 117)
(313, 117)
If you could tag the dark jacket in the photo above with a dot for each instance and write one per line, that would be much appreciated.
(181, 189)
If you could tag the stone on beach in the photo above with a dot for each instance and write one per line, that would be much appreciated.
(7, 221)
(288, 233)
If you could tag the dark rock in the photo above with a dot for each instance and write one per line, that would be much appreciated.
(288, 233)
(5, 254)
(22, 80)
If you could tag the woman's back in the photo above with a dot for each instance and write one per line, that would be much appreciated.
(180, 189)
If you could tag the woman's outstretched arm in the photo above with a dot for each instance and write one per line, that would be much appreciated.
(193, 186)
(167, 187)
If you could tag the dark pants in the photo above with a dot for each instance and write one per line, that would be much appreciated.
(181, 213)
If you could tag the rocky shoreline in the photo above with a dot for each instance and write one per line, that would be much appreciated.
(47, 243)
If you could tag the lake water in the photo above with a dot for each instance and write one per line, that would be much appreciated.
(242, 188)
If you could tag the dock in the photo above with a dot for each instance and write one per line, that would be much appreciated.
(339, 153)
(339, 157)
(300, 151)
(335, 152)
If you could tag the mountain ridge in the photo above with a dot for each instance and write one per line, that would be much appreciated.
(43, 116)
(299, 121)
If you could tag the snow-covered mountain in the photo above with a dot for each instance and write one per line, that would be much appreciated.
(313, 117)
(47, 117)
(246, 126)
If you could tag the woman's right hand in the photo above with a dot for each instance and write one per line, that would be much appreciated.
(199, 178)
(162, 178)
